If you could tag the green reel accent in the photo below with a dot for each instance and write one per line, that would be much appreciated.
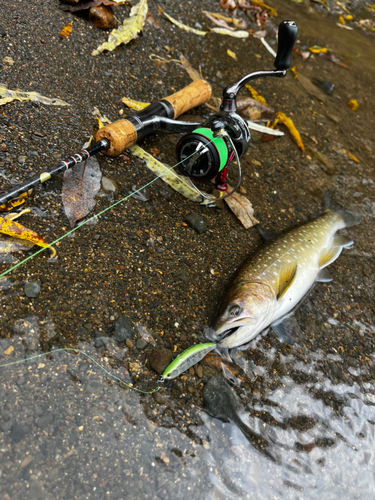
(201, 156)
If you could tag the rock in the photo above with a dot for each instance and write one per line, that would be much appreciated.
(196, 222)
(32, 289)
(159, 398)
(159, 359)
(109, 186)
(129, 343)
(42, 422)
(18, 432)
(22, 160)
(141, 344)
(326, 86)
(94, 387)
(123, 329)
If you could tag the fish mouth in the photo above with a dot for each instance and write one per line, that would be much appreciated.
(222, 333)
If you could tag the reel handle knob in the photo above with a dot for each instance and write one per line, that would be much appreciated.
(287, 36)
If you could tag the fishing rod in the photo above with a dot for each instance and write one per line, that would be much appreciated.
(205, 151)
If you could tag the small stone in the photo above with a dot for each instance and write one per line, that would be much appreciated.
(129, 343)
(141, 344)
(192, 371)
(3, 148)
(109, 186)
(196, 222)
(94, 387)
(32, 288)
(123, 329)
(159, 398)
(18, 432)
(159, 359)
(22, 160)
(42, 422)
(200, 371)
(88, 326)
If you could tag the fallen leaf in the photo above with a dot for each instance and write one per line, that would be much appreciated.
(311, 88)
(193, 73)
(16, 202)
(255, 95)
(102, 16)
(253, 109)
(128, 30)
(273, 12)
(242, 208)
(327, 162)
(292, 129)
(232, 54)
(66, 31)
(137, 105)
(181, 25)
(318, 50)
(18, 95)
(9, 350)
(352, 157)
(18, 231)
(167, 174)
(234, 34)
(86, 5)
(219, 21)
(239, 23)
(353, 104)
(78, 193)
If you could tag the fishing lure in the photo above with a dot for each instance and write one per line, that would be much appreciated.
(187, 359)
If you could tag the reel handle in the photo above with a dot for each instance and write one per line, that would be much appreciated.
(124, 133)
(287, 36)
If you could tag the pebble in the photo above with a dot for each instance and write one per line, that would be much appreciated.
(109, 186)
(159, 359)
(141, 344)
(32, 289)
(22, 160)
(159, 398)
(129, 343)
(42, 422)
(94, 387)
(196, 222)
(123, 329)
(18, 432)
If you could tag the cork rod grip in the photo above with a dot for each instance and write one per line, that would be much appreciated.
(190, 97)
(122, 133)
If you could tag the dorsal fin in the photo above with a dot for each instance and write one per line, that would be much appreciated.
(286, 278)
(267, 234)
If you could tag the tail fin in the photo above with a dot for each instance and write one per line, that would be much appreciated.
(350, 218)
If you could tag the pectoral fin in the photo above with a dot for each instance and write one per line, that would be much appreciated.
(329, 255)
(287, 329)
(286, 278)
(342, 241)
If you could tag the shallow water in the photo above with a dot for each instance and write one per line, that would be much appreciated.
(298, 421)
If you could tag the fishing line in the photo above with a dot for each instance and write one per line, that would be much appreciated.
(95, 216)
(88, 356)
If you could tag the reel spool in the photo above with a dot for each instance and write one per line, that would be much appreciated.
(202, 156)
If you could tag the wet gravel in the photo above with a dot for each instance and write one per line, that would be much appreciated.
(68, 430)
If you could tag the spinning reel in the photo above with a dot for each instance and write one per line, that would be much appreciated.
(207, 151)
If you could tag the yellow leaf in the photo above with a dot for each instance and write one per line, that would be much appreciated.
(237, 22)
(342, 20)
(17, 95)
(353, 104)
(273, 12)
(255, 95)
(130, 103)
(292, 129)
(234, 34)
(294, 71)
(183, 26)
(9, 350)
(167, 174)
(66, 31)
(231, 54)
(352, 157)
(18, 231)
(128, 30)
(317, 50)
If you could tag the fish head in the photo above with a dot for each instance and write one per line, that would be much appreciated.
(245, 311)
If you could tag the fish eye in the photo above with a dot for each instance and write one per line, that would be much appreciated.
(235, 310)
(168, 374)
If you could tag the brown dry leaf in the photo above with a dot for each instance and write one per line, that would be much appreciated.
(251, 109)
(102, 16)
(77, 6)
(352, 157)
(312, 89)
(242, 208)
(16, 230)
(66, 31)
(193, 73)
(219, 21)
(81, 184)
